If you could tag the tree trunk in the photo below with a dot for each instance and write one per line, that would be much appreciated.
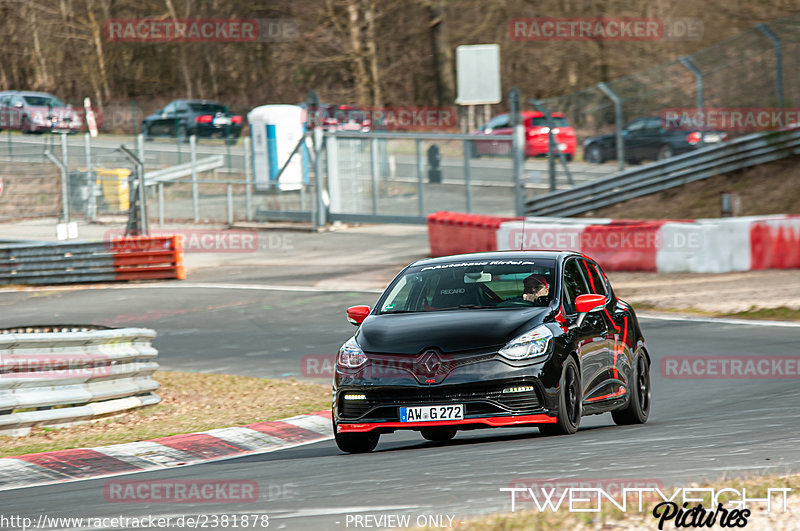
(442, 57)
(372, 53)
(354, 27)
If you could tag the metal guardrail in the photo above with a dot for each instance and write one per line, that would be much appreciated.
(702, 163)
(180, 171)
(52, 378)
(136, 258)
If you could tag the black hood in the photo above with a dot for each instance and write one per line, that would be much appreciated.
(448, 330)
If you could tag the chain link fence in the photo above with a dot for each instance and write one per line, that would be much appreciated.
(756, 69)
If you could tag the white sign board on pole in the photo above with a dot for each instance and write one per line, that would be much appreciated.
(478, 74)
(91, 122)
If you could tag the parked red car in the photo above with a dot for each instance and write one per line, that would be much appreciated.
(536, 135)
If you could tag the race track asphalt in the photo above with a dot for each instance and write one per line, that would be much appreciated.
(698, 430)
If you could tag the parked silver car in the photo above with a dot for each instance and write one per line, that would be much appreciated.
(37, 112)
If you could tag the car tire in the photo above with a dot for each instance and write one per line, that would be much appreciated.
(638, 409)
(473, 151)
(25, 126)
(356, 443)
(183, 134)
(570, 400)
(569, 157)
(438, 434)
(146, 133)
(594, 155)
(231, 141)
(664, 152)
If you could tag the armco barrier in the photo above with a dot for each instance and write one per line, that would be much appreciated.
(60, 377)
(670, 246)
(128, 258)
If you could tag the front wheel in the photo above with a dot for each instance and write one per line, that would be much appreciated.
(638, 409)
(570, 398)
(356, 443)
(664, 153)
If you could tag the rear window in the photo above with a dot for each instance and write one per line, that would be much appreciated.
(541, 121)
(43, 101)
(210, 108)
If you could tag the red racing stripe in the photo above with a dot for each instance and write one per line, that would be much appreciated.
(79, 463)
(201, 445)
(284, 430)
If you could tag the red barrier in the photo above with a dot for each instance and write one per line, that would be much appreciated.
(457, 233)
(148, 257)
(775, 244)
(623, 246)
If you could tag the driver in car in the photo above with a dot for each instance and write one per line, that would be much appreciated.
(536, 287)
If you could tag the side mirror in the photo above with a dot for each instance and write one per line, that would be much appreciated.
(357, 314)
(19, 105)
(585, 304)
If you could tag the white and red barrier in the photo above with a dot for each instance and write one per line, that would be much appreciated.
(669, 246)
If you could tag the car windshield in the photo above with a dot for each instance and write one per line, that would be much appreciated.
(43, 101)
(541, 121)
(210, 108)
(472, 284)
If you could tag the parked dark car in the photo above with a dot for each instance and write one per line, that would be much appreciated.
(537, 138)
(37, 112)
(184, 118)
(489, 340)
(645, 138)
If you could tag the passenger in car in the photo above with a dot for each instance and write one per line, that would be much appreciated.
(536, 286)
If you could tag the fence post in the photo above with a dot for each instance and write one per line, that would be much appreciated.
(517, 151)
(319, 220)
(92, 201)
(468, 174)
(229, 195)
(195, 193)
(776, 43)
(420, 184)
(140, 147)
(160, 204)
(65, 177)
(373, 172)
(618, 123)
(248, 177)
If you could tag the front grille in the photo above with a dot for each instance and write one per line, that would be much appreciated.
(478, 399)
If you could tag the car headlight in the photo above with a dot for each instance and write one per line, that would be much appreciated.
(351, 355)
(529, 345)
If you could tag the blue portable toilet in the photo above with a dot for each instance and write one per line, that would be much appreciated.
(275, 131)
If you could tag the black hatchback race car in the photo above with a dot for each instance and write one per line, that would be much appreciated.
(488, 340)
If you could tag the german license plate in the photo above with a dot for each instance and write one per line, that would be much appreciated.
(222, 120)
(431, 413)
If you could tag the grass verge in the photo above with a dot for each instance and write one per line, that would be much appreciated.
(190, 402)
(616, 519)
(781, 313)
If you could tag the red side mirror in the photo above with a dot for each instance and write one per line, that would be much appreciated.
(357, 314)
(589, 302)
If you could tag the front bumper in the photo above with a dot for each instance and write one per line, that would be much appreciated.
(481, 382)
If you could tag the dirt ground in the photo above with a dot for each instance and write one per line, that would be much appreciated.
(714, 293)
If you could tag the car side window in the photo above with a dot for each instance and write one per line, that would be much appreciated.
(16, 100)
(574, 284)
(181, 108)
(596, 283)
(169, 109)
(652, 125)
(636, 125)
(503, 122)
(496, 122)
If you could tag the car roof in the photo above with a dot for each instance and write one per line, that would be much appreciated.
(497, 255)
(27, 93)
(214, 102)
(533, 114)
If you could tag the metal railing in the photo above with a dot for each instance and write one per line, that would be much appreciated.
(56, 377)
(696, 165)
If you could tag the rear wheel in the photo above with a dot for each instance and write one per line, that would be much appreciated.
(594, 154)
(26, 125)
(664, 153)
(146, 133)
(356, 443)
(438, 434)
(638, 408)
(570, 398)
